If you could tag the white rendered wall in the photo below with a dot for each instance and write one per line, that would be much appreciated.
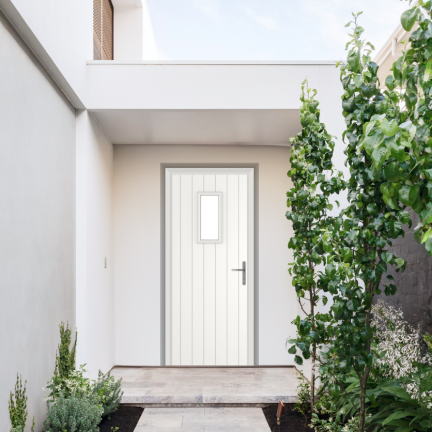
(64, 29)
(37, 223)
(137, 246)
(133, 32)
(95, 289)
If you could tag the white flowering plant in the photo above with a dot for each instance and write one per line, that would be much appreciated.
(404, 354)
(400, 394)
(76, 384)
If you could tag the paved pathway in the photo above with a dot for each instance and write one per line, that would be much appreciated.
(202, 420)
(150, 385)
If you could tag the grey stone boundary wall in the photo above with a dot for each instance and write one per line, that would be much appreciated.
(414, 286)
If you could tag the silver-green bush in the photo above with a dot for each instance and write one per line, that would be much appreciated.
(108, 393)
(72, 414)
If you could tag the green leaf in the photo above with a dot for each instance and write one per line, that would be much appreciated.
(324, 300)
(404, 428)
(354, 338)
(428, 71)
(426, 235)
(408, 18)
(298, 360)
(352, 305)
(354, 60)
(398, 415)
(292, 350)
(379, 156)
(347, 255)
(387, 256)
(389, 82)
(373, 141)
(408, 194)
(404, 217)
(392, 171)
(330, 271)
(428, 245)
(389, 128)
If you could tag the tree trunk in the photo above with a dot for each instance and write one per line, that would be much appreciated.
(312, 386)
(362, 413)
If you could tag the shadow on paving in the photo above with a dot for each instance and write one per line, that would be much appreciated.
(292, 421)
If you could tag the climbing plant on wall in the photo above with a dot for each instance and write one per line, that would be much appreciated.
(309, 199)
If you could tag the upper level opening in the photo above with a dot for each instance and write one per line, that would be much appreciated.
(103, 30)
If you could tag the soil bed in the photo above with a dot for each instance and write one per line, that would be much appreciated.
(125, 418)
(291, 420)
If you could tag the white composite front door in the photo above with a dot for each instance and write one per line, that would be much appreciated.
(209, 262)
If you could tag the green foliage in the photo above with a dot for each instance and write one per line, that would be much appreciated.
(75, 384)
(373, 218)
(407, 155)
(309, 199)
(108, 392)
(18, 407)
(65, 363)
(303, 392)
(72, 414)
(428, 339)
(326, 417)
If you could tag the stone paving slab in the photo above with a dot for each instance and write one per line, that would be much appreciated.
(147, 385)
(202, 420)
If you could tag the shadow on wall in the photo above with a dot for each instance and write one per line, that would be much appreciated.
(414, 286)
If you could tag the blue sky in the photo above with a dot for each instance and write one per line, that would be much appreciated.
(266, 29)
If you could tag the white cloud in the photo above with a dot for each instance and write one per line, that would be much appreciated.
(208, 7)
(268, 22)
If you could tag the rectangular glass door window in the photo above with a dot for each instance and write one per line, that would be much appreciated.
(209, 208)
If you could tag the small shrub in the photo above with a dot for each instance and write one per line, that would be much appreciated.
(65, 361)
(72, 414)
(18, 408)
(76, 384)
(326, 417)
(303, 391)
(108, 392)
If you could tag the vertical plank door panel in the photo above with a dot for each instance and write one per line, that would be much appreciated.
(176, 271)
(233, 276)
(209, 289)
(221, 279)
(186, 268)
(197, 279)
(243, 253)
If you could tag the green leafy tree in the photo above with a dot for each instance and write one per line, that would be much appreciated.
(409, 165)
(359, 258)
(309, 199)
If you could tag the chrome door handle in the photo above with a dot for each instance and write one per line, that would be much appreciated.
(243, 269)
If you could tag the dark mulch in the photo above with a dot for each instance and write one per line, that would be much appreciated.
(125, 418)
(292, 421)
